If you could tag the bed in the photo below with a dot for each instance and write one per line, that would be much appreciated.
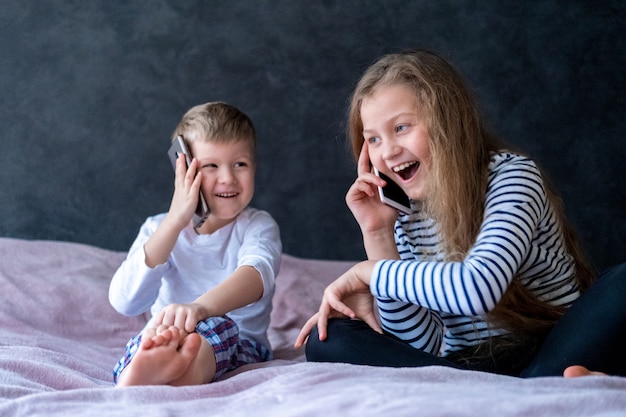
(59, 339)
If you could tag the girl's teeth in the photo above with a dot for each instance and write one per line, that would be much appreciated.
(403, 166)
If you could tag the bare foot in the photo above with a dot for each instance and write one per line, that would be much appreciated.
(161, 358)
(578, 371)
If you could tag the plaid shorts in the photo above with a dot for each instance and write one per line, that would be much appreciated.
(222, 333)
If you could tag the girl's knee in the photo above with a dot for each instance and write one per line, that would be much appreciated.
(342, 335)
(314, 347)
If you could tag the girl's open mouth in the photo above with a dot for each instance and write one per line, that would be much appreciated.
(407, 170)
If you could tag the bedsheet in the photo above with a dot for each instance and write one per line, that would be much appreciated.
(59, 339)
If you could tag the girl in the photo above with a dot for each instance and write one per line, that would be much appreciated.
(484, 265)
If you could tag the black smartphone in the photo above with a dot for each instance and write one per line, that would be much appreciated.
(392, 195)
(178, 147)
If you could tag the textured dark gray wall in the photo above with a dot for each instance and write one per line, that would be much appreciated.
(90, 92)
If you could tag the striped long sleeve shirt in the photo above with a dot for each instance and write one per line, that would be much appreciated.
(439, 306)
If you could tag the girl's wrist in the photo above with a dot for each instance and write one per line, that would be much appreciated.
(380, 245)
(378, 236)
(364, 271)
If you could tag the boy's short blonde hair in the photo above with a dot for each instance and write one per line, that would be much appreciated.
(216, 122)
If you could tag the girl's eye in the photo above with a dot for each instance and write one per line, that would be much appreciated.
(241, 165)
(209, 166)
(373, 140)
(401, 128)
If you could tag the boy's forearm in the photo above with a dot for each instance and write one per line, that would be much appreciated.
(159, 246)
(243, 287)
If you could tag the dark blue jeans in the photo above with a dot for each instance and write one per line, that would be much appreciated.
(591, 333)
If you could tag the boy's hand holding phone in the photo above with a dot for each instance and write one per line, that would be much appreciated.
(179, 148)
(186, 190)
(159, 246)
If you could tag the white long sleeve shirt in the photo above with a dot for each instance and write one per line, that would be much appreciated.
(420, 297)
(200, 262)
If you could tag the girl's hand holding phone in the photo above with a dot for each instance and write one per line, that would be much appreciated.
(364, 201)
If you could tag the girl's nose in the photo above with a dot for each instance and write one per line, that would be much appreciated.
(390, 149)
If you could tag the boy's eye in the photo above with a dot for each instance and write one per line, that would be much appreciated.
(209, 166)
(241, 164)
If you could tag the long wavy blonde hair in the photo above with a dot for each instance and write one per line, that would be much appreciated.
(460, 146)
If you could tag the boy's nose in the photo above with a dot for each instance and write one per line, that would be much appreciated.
(226, 177)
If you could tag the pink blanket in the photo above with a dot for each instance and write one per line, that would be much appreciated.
(59, 339)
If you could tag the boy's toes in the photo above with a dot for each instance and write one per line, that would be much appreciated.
(190, 346)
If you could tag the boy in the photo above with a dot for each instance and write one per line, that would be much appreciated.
(209, 288)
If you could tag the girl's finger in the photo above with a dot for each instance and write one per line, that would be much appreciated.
(373, 323)
(364, 165)
(322, 321)
(362, 185)
(327, 307)
(305, 331)
(340, 307)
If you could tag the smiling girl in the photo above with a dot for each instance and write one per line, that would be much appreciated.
(477, 275)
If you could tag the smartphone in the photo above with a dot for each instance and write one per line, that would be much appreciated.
(392, 195)
(178, 147)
